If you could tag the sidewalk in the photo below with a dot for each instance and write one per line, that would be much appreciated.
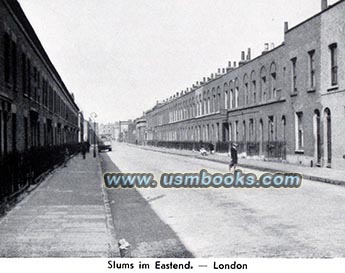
(66, 216)
(325, 175)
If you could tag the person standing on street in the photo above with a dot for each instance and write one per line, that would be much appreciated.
(66, 154)
(83, 149)
(234, 157)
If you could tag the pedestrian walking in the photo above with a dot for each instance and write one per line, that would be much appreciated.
(234, 157)
(202, 148)
(211, 147)
(88, 146)
(66, 157)
(83, 149)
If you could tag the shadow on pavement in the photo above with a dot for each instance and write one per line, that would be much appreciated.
(135, 221)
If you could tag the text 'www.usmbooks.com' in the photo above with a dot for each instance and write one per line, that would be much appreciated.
(203, 179)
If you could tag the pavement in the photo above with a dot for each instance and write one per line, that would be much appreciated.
(326, 175)
(67, 215)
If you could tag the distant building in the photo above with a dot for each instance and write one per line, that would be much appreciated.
(140, 131)
(118, 130)
(287, 104)
(108, 129)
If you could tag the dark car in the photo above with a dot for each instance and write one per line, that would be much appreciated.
(104, 144)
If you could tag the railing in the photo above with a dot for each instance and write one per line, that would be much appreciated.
(269, 149)
(275, 149)
(18, 170)
(181, 145)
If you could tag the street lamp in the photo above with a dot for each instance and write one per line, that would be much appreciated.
(93, 116)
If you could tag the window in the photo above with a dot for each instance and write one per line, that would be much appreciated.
(328, 135)
(311, 69)
(226, 99)
(334, 64)
(236, 131)
(7, 45)
(214, 104)
(28, 63)
(34, 95)
(24, 85)
(231, 94)
(246, 89)
(273, 87)
(51, 98)
(246, 92)
(263, 87)
(263, 95)
(271, 128)
(14, 132)
(251, 129)
(253, 87)
(237, 97)
(299, 131)
(226, 96)
(294, 75)
(14, 64)
(26, 137)
(244, 136)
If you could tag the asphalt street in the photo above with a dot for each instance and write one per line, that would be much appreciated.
(304, 222)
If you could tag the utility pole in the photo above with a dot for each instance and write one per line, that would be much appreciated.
(93, 117)
(120, 137)
(94, 138)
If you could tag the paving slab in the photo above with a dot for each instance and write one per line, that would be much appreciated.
(65, 216)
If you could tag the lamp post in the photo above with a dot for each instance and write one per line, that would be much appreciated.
(93, 116)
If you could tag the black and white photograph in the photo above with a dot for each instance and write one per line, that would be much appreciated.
(197, 135)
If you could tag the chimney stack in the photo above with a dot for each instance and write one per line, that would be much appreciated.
(286, 26)
(224, 71)
(243, 56)
(219, 71)
(234, 64)
(272, 45)
(229, 64)
(267, 46)
(324, 4)
(249, 55)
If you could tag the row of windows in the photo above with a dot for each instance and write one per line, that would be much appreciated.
(231, 131)
(211, 101)
(255, 90)
(51, 135)
(35, 134)
(34, 85)
(333, 52)
(252, 130)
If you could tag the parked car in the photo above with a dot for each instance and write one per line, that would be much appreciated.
(104, 143)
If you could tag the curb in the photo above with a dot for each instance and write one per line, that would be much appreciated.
(259, 168)
(113, 250)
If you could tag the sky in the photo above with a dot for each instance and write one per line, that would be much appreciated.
(119, 57)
